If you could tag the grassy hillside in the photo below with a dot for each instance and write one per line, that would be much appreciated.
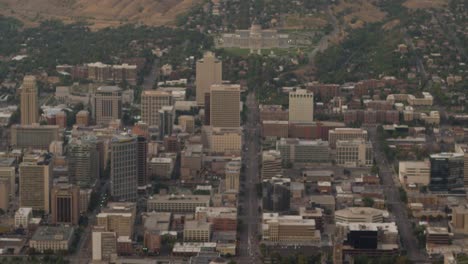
(101, 13)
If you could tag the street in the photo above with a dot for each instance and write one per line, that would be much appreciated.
(249, 251)
(398, 208)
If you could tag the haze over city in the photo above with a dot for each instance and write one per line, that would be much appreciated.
(233, 131)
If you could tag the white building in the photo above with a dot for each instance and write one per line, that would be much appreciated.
(23, 216)
(301, 106)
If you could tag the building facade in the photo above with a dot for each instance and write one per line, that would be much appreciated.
(83, 161)
(354, 153)
(65, 204)
(35, 178)
(124, 168)
(28, 97)
(107, 104)
(151, 102)
(446, 172)
(208, 72)
(225, 105)
(301, 106)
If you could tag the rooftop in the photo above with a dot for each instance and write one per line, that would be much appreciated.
(53, 233)
(109, 89)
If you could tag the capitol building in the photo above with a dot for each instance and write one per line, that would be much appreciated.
(254, 39)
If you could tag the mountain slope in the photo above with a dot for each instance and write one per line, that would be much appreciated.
(101, 13)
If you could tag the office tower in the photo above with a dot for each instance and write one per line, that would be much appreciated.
(35, 176)
(166, 121)
(4, 193)
(33, 136)
(446, 172)
(207, 109)
(463, 149)
(276, 194)
(82, 118)
(29, 106)
(460, 219)
(232, 172)
(124, 167)
(9, 174)
(301, 106)
(65, 204)
(354, 153)
(208, 72)
(271, 164)
(142, 162)
(225, 106)
(83, 161)
(104, 244)
(107, 104)
(151, 103)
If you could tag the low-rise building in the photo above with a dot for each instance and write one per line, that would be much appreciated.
(161, 167)
(360, 215)
(55, 238)
(197, 231)
(104, 244)
(22, 217)
(177, 203)
(414, 172)
(354, 153)
(118, 217)
(289, 229)
(221, 218)
(295, 151)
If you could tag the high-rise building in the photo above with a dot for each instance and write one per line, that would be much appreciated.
(9, 173)
(83, 160)
(151, 102)
(142, 162)
(34, 136)
(166, 121)
(4, 193)
(446, 172)
(65, 204)
(271, 164)
(35, 176)
(29, 106)
(301, 106)
(232, 170)
(104, 244)
(208, 72)
(207, 117)
(276, 194)
(463, 149)
(460, 219)
(124, 167)
(225, 105)
(107, 104)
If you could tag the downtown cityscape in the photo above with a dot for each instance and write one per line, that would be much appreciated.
(234, 131)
